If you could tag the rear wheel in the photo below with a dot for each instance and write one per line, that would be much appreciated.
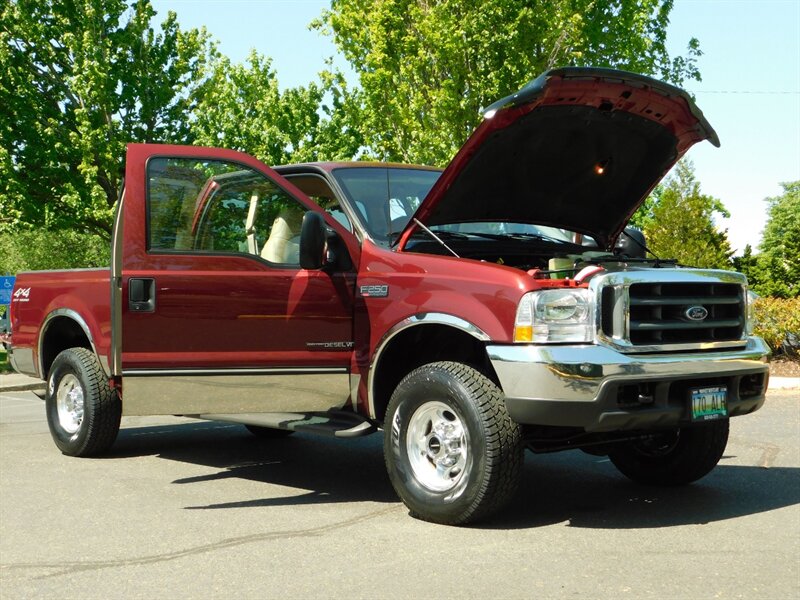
(673, 458)
(83, 412)
(452, 452)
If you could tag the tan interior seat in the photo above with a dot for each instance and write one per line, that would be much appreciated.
(250, 224)
(283, 244)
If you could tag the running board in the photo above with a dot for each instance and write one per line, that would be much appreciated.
(337, 424)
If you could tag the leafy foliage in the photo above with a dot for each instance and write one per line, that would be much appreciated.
(241, 107)
(777, 271)
(78, 80)
(44, 249)
(679, 222)
(643, 217)
(747, 264)
(427, 68)
(776, 319)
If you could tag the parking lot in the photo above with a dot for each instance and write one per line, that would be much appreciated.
(191, 509)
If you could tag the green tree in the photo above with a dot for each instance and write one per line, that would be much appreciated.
(78, 80)
(41, 249)
(242, 107)
(427, 68)
(779, 261)
(643, 217)
(747, 264)
(682, 223)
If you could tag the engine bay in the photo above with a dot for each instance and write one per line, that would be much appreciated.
(539, 257)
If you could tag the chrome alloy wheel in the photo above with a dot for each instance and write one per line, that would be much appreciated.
(69, 402)
(437, 445)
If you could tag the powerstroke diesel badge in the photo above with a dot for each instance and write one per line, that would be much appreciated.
(330, 345)
(374, 291)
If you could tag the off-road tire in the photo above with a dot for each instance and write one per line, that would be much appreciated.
(97, 429)
(675, 458)
(486, 475)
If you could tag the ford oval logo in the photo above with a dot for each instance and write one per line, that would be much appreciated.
(696, 313)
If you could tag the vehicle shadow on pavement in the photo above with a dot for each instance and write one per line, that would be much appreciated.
(570, 487)
(587, 491)
(331, 470)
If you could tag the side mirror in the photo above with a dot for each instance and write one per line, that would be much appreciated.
(313, 244)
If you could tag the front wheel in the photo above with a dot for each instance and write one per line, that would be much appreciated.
(83, 412)
(452, 452)
(673, 458)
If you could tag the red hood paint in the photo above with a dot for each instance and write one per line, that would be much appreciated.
(577, 148)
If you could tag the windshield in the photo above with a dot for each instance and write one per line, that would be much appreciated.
(385, 198)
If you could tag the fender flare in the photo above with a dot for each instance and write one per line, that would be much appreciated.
(81, 322)
(432, 318)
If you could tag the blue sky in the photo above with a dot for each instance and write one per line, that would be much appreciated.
(750, 90)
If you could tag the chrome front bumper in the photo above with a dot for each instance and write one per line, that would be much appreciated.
(596, 387)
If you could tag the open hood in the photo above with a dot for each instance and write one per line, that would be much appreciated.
(576, 148)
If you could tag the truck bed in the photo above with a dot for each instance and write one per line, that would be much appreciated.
(40, 298)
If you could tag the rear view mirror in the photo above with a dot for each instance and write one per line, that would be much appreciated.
(313, 245)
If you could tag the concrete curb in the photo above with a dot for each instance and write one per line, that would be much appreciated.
(14, 382)
(784, 383)
(25, 387)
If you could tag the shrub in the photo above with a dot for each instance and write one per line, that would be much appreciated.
(41, 249)
(776, 320)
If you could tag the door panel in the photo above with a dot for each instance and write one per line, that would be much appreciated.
(229, 311)
(216, 315)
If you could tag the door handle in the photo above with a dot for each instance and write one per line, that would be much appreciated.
(141, 294)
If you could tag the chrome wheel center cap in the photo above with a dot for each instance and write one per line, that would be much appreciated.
(437, 446)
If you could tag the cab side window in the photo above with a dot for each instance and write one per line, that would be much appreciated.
(209, 206)
(317, 189)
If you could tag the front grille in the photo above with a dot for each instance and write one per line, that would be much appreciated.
(685, 313)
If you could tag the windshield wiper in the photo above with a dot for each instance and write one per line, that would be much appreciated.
(506, 236)
(394, 236)
(543, 237)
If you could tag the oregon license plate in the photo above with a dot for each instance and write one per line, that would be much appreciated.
(709, 403)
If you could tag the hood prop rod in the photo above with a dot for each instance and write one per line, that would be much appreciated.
(436, 237)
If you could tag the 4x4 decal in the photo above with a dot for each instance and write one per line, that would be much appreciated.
(22, 295)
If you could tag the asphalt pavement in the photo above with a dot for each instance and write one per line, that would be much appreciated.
(193, 509)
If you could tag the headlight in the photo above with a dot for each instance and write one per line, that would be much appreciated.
(554, 316)
(750, 317)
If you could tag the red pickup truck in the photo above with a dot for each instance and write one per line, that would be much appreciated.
(469, 313)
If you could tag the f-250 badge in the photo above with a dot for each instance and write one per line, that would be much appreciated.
(374, 291)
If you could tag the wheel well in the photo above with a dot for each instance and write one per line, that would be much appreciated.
(420, 345)
(61, 333)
